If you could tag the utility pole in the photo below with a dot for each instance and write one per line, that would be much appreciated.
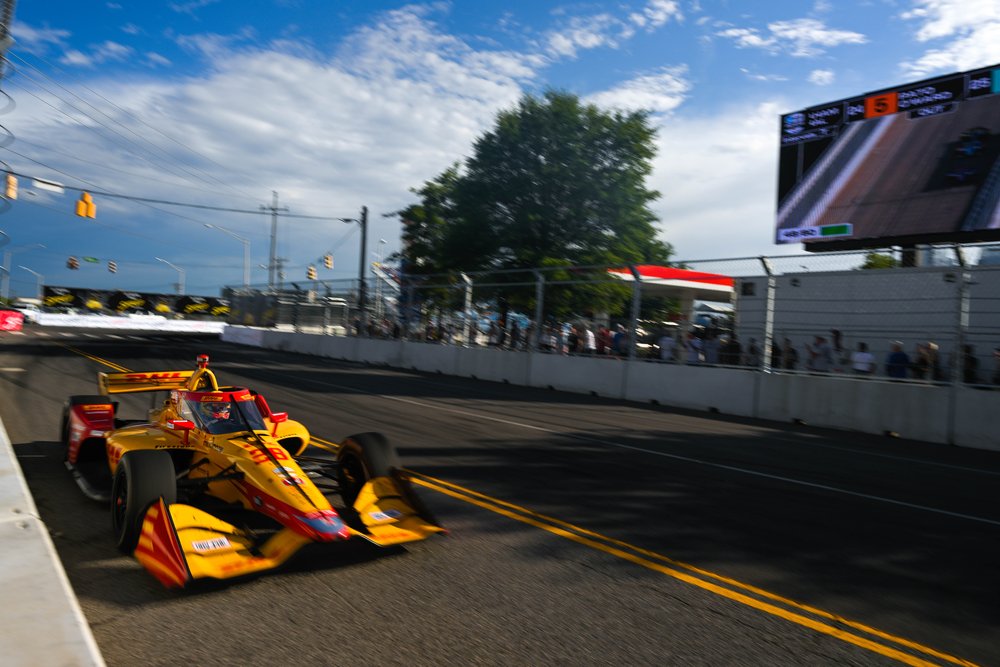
(362, 305)
(272, 261)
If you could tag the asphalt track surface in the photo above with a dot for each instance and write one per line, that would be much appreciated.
(583, 531)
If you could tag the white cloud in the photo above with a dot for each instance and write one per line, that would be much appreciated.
(804, 37)
(191, 7)
(821, 77)
(131, 29)
(584, 33)
(753, 76)
(37, 40)
(967, 33)
(717, 174)
(657, 13)
(658, 93)
(156, 60)
(76, 58)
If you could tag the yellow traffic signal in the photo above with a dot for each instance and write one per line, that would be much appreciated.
(11, 191)
(85, 206)
(328, 261)
(311, 272)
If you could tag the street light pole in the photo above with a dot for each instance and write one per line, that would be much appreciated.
(38, 277)
(246, 253)
(180, 274)
(7, 257)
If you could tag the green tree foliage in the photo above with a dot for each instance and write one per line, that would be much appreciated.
(875, 260)
(555, 183)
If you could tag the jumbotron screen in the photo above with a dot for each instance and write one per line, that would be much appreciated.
(918, 163)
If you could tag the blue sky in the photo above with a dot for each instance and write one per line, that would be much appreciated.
(337, 104)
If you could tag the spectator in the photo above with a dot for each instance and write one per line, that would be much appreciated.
(970, 365)
(863, 361)
(996, 365)
(589, 341)
(775, 354)
(604, 340)
(897, 364)
(710, 347)
(841, 357)
(693, 347)
(921, 362)
(753, 354)
(732, 351)
(667, 345)
(820, 356)
(789, 355)
(620, 341)
(934, 362)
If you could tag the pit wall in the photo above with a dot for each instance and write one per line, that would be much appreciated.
(956, 415)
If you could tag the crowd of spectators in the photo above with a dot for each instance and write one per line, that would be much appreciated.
(704, 346)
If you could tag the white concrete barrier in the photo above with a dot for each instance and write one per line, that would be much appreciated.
(129, 322)
(40, 616)
(942, 414)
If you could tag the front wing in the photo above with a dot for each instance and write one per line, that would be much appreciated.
(180, 543)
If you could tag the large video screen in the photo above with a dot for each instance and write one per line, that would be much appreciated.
(918, 163)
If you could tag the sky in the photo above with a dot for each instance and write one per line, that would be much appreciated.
(339, 104)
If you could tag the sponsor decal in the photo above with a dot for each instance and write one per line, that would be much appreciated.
(96, 408)
(218, 448)
(213, 544)
(387, 515)
(293, 481)
(145, 377)
(211, 398)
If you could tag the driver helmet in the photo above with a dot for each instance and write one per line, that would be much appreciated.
(216, 409)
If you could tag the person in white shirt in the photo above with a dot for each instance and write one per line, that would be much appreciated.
(666, 343)
(863, 361)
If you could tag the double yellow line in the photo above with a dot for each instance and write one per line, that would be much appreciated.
(872, 639)
(795, 612)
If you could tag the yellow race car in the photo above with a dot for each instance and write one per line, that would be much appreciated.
(208, 449)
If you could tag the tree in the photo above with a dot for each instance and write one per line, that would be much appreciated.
(555, 183)
(875, 260)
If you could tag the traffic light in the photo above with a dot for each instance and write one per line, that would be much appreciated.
(72, 263)
(11, 191)
(113, 267)
(328, 261)
(311, 272)
(85, 206)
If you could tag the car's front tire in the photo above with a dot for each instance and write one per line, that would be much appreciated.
(362, 457)
(141, 478)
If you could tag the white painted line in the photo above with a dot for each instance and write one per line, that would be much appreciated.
(676, 457)
(11, 370)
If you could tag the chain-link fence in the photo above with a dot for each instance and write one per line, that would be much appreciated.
(860, 313)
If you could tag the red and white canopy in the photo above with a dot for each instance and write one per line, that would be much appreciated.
(680, 283)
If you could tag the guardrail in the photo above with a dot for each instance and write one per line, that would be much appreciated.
(41, 618)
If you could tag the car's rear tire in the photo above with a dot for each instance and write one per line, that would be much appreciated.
(362, 457)
(141, 478)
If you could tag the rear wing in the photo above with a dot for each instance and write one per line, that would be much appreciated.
(123, 383)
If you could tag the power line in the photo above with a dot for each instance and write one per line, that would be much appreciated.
(203, 175)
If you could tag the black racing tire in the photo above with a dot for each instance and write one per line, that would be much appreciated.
(362, 457)
(141, 478)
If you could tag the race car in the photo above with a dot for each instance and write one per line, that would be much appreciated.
(205, 450)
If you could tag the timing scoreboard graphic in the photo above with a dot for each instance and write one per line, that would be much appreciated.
(916, 163)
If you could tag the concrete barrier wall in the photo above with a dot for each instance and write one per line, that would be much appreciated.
(729, 391)
(941, 414)
(41, 618)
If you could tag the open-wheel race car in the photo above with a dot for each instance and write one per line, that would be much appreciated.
(208, 449)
